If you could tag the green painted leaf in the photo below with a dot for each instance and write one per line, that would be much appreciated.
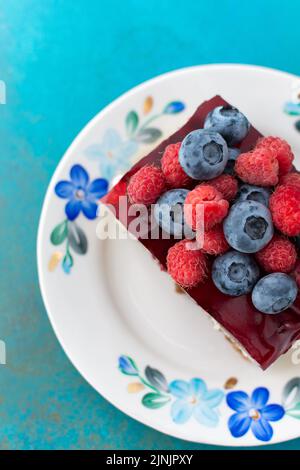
(291, 394)
(156, 378)
(77, 239)
(67, 262)
(148, 135)
(294, 412)
(155, 400)
(132, 121)
(59, 233)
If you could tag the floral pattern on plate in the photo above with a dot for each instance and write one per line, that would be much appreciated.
(253, 412)
(113, 152)
(82, 195)
(194, 399)
(187, 399)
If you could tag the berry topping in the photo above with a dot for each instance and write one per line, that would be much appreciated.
(229, 122)
(248, 227)
(248, 192)
(168, 213)
(291, 179)
(227, 185)
(278, 256)
(285, 209)
(174, 174)
(281, 149)
(187, 267)
(235, 273)
(203, 154)
(259, 167)
(205, 207)
(214, 241)
(146, 185)
(232, 156)
(274, 293)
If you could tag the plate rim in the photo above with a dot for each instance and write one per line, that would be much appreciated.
(42, 220)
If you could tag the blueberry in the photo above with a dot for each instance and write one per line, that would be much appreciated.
(203, 154)
(248, 192)
(248, 226)
(229, 122)
(232, 156)
(274, 293)
(235, 273)
(168, 213)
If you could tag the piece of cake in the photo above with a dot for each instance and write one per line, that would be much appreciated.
(245, 256)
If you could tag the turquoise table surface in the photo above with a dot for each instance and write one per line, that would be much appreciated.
(62, 62)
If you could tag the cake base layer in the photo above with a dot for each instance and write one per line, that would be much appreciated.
(264, 337)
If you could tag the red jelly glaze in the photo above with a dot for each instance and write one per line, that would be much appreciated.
(265, 337)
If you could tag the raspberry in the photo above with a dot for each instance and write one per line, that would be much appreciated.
(278, 256)
(187, 267)
(285, 209)
(208, 198)
(227, 185)
(291, 179)
(174, 174)
(258, 167)
(281, 149)
(296, 273)
(146, 185)
(214, 241)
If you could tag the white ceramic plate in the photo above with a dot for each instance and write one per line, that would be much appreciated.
(118, 317)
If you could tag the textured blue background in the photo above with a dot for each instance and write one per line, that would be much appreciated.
(62, 61)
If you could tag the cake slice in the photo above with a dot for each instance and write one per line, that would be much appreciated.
(263, 337)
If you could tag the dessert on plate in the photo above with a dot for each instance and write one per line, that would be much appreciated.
(226, 202)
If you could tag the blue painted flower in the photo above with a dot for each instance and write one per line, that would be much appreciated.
(127, 366)
(193, 398)
(81, 193)
(253, 412)
(112, 153)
